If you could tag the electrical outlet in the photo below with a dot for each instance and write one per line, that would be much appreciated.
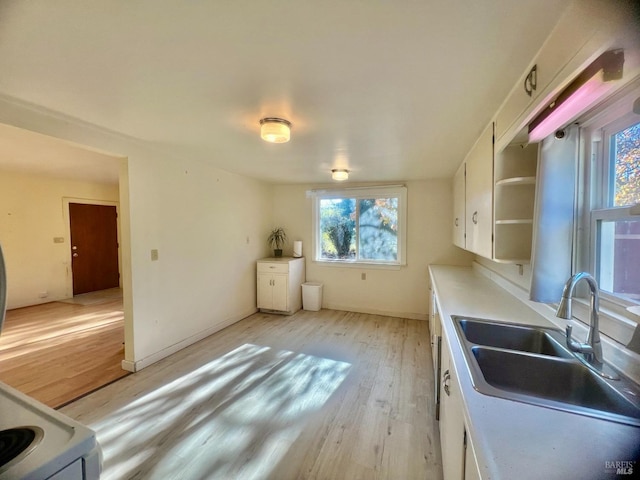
(363, 276)
(58, 239)
(154, 255)
(43, 294)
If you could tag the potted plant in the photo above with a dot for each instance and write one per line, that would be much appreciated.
(277, 239)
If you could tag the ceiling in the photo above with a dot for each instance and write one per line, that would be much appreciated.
(389, 90)
(29, 152)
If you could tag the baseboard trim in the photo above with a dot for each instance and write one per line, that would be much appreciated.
(137, 365)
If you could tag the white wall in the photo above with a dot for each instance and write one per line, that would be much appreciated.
(199, 219)
(513, 273)
(402, 292)
(32, 213)
(209, 227)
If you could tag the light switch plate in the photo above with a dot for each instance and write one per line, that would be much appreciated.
(154, 255)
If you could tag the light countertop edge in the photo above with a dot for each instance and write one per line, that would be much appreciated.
(513, 439)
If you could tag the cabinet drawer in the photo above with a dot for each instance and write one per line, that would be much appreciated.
(269, 267)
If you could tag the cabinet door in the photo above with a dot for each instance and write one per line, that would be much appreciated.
(280, 292)
(451, 420)
(265, 296)
(470, 465)
(459, 207)
(479, 191)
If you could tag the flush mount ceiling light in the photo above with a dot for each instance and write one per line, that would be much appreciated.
(275, 130)
(339, 174)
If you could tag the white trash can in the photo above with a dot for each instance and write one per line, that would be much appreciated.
(312, 296)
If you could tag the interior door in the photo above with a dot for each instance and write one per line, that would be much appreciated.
(94, 247)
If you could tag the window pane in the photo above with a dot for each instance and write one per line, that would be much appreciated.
(338, 228)
(619, 262)
(625, 165)
(378, 229)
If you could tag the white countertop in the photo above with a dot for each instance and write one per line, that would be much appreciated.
(517, 440)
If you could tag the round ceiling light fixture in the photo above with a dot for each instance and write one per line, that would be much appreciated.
(275, 130)
(339, 174)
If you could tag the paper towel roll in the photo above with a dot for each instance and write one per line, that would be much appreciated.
(297, 248)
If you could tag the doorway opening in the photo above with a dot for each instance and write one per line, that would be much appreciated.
(64, 349)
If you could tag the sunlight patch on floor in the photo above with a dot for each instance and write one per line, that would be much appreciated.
(234, 417)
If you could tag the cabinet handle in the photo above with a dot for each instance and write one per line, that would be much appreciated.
(474, 218)
(531, 82)
(445, 379)
(456, 221)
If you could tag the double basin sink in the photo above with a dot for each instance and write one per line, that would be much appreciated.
(532, 365)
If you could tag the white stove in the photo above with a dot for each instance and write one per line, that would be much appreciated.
(36, 442)
(57, 447)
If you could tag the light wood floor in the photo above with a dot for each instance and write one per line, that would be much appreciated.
(57, 352)
(317, 395)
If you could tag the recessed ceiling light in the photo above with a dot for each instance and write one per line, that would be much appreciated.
(339, 174)
(275, 130)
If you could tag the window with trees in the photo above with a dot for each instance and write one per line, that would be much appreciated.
(615, 220)
(608, 227)
(360, 225)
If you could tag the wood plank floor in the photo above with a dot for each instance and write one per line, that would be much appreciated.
(316, 395)
(57, 352)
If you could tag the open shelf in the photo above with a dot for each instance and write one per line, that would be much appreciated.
(516, 181)
(514, 198)
(518, 261)
(514, 221)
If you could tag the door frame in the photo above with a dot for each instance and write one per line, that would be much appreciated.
(67, 222)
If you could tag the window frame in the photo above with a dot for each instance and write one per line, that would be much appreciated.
(594, 184)
(358, 193)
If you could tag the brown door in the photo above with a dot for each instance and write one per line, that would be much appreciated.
(94, 247)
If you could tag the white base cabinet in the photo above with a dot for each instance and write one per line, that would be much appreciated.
(458, 456)
(452, 430)
(279, 284)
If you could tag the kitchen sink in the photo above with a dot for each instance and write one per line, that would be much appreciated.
(514, 337)
(531, 365)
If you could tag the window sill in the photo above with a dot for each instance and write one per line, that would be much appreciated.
(615, 324)
(369, 265)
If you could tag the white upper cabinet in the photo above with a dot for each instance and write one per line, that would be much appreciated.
(479, 195)
(582, 33)
(459, 207)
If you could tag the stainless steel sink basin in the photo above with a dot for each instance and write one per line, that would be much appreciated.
(514, 337)
(559, 381)
(531, 365)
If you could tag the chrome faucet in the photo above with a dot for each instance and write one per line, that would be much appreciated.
(592, 350)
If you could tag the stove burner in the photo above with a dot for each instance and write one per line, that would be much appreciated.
(16, 441)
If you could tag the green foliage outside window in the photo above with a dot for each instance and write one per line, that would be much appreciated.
(626, 166)
(363, 229)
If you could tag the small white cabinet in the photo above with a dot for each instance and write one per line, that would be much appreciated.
(279, 284)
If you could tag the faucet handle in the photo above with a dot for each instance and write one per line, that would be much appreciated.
(577, 346)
